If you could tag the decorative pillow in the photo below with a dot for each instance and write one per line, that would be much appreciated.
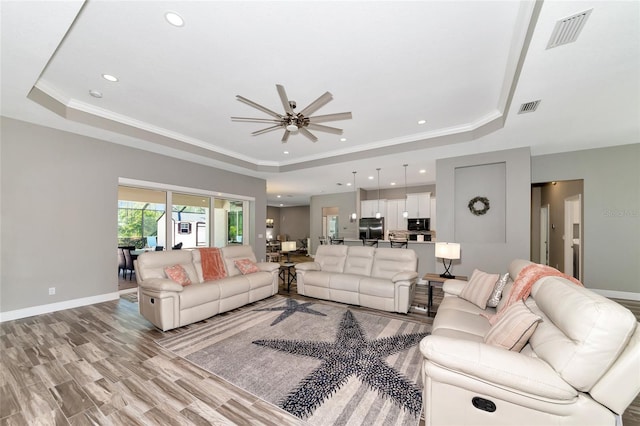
(494, 299)
(246, 266)
(479, 288)
(514, 328)
(178, 274)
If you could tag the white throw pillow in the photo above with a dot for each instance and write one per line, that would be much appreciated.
(496, 294)
(479, 288)
(514, 328)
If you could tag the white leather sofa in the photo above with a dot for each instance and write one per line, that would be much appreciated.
(379, 278)
(167, 304)
(581, 366)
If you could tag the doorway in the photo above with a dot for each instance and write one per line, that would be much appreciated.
(557, 225)
(330, 222)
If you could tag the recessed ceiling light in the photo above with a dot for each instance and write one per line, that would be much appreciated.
(278, 196)
(281, 205)
(174, 19)
(392, 184)
(370, 178)
(422, 121)
(348, 183)
(343, 139)
(95, 93)
(286, 153)
(110, 77)
(423, 171)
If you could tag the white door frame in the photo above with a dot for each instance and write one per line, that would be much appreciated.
(572, 215)
(544, 234)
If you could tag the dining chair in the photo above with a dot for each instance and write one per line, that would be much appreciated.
(370, 243)
(399, 244)
(159, 248)
(128, 258)
(122, 264)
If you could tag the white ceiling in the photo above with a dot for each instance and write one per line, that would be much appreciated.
(463, 66)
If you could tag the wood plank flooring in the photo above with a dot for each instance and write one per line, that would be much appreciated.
(98, 365)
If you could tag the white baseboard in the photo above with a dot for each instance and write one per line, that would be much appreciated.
(59, 306)
(614, 294)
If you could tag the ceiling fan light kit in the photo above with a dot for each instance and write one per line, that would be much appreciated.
(292, 121)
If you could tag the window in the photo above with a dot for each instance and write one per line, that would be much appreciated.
(196, 219)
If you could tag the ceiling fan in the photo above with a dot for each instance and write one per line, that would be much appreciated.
(292, 121)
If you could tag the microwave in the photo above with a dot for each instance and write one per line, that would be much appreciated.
(418, 224)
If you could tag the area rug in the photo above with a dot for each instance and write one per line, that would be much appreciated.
(131, 297)
(324, 363)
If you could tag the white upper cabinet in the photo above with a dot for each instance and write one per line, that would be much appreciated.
(419, 205)
(369, 208)
(394, 220)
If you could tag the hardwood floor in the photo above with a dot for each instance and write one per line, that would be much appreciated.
(98, 364)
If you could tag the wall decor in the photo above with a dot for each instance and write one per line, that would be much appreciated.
(483, 207)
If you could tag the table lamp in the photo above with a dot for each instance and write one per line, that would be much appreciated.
(447, 251)
(286, 247)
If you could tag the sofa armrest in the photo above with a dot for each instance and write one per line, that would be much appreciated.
(405, 276)
(500, 367)
(453, 286)
(161, 284)
(268, 266)
(308, 266)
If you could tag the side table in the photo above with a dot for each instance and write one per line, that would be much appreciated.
(286, 274)
(435, 280)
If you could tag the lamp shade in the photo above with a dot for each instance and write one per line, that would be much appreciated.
(448, 250)
(288, 246)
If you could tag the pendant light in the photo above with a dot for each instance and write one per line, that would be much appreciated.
(354, 215)
(378, 215)
(405, 213)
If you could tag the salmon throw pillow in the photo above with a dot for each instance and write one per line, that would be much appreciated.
(178, 274)
(246, 266)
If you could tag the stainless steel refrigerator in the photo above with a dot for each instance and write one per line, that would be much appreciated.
(371, 228)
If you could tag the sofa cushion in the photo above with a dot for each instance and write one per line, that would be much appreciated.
(152, 264)
(331, 258)
(359, 260)
(236, 252)
(466, 322)
(198, 294)
(514, 328)
(580, 343)
(390, 261)
(178, 274)
(346, 282)
(377, 287)
(479, 288)
(246, 266)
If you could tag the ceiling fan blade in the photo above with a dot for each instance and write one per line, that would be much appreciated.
(308, 134)
(285, 137)
(322, 128)
(331, 117)
(284, 99)
(317, 104)
(258, 106)
(268, 129)
(255, 120)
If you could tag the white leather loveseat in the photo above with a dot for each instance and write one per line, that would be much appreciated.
(167, 304)
(581, 365)
(379, 278)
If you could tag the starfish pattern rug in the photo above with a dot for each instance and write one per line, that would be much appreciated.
(323, 363)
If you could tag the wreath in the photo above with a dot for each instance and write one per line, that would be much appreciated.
(484, 201)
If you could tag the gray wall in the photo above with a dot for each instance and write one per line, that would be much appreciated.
(490, 257)
(611, 211)
(59, 210)
(294, 222)
(345, 203)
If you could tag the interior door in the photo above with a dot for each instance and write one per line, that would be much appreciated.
(544, 234)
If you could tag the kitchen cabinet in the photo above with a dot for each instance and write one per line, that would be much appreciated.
(394, 220)
(368, 208)
(432, 222)
(419, 205)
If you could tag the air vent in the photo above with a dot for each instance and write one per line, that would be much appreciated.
(568, 29)
(529, 107)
